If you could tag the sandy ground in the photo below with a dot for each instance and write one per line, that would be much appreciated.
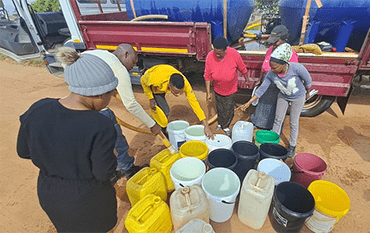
(342, 141)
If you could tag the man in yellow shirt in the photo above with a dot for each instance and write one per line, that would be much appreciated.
(162, 79)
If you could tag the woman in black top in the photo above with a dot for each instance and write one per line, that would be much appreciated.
(72, 145)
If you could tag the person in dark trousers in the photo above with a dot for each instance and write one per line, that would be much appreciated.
(263, 116)
(221, 69)
(121, 61)
(293, 86)
(72, 144)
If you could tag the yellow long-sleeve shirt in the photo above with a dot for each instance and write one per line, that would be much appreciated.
(157, 78)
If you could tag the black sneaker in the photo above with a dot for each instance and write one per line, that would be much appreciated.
(118, 174)
(133, 170)
(291, 151)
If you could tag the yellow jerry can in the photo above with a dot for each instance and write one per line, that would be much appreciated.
(147, 181)
(150, 215)
(163, 162)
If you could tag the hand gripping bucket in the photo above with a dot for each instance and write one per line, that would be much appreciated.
(221, 186)
(307, 168)
(176, 133)
(291, 205)
(331, 203)
(187, 171)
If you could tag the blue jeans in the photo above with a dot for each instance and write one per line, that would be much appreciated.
(124, 161)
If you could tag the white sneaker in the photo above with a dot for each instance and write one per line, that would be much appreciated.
(218, 127)
(227, 131)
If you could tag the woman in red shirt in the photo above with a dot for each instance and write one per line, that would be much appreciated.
(221, 69)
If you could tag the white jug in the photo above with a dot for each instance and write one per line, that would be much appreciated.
(242, 131)
(255, 198)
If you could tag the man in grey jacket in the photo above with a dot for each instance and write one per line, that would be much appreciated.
(121, 61)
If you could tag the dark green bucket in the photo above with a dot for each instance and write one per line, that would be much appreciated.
(264, 136)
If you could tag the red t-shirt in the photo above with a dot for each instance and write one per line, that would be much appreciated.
(223, 72)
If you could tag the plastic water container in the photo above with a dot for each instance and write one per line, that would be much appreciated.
(195, 133)
(196, 226)
(307, 168)
(276, 169)
(247, 154)
(196, 149)
(331, 204)
(255, 198)
(150, 215)
(146, 181)
(242, 131)
(176, 133)
(221, 186)
(187, 171)
(163, 162)
(222, 158)
(291, 205)
(266, 136)
(219, 141)
(188, 203)
(273, 151)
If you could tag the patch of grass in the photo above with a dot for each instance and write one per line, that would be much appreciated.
(33, 62)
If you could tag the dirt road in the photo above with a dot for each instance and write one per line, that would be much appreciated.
(342, 141)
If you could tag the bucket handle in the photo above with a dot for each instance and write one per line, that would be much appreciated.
(228, 202)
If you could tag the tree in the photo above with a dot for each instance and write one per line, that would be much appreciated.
(45, 5)
(1, 3)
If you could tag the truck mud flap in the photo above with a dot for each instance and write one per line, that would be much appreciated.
(342, 101)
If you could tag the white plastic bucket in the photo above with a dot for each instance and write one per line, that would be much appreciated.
(219, 141)
(176, 133)
(195, 133)
(242, 131)
(222, 187)
(275, 168)
(187, 171)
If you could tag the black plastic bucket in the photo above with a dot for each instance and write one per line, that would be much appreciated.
(291, 205)
(273, 150)
(247, 154)
(222, 158)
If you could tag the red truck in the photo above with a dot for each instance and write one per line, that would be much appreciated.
(182, 44)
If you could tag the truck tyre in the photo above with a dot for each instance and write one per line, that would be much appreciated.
(317, 105)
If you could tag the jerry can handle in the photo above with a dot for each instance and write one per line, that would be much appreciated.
(150, 173)
(156, 201)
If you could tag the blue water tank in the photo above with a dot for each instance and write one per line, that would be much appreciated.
(339, 22)
(210, 11)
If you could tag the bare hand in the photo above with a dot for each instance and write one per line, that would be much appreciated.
(307, 94)
(155, 129)
(208, 132)
(152, 104)
(209, 97)
(244, 107)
